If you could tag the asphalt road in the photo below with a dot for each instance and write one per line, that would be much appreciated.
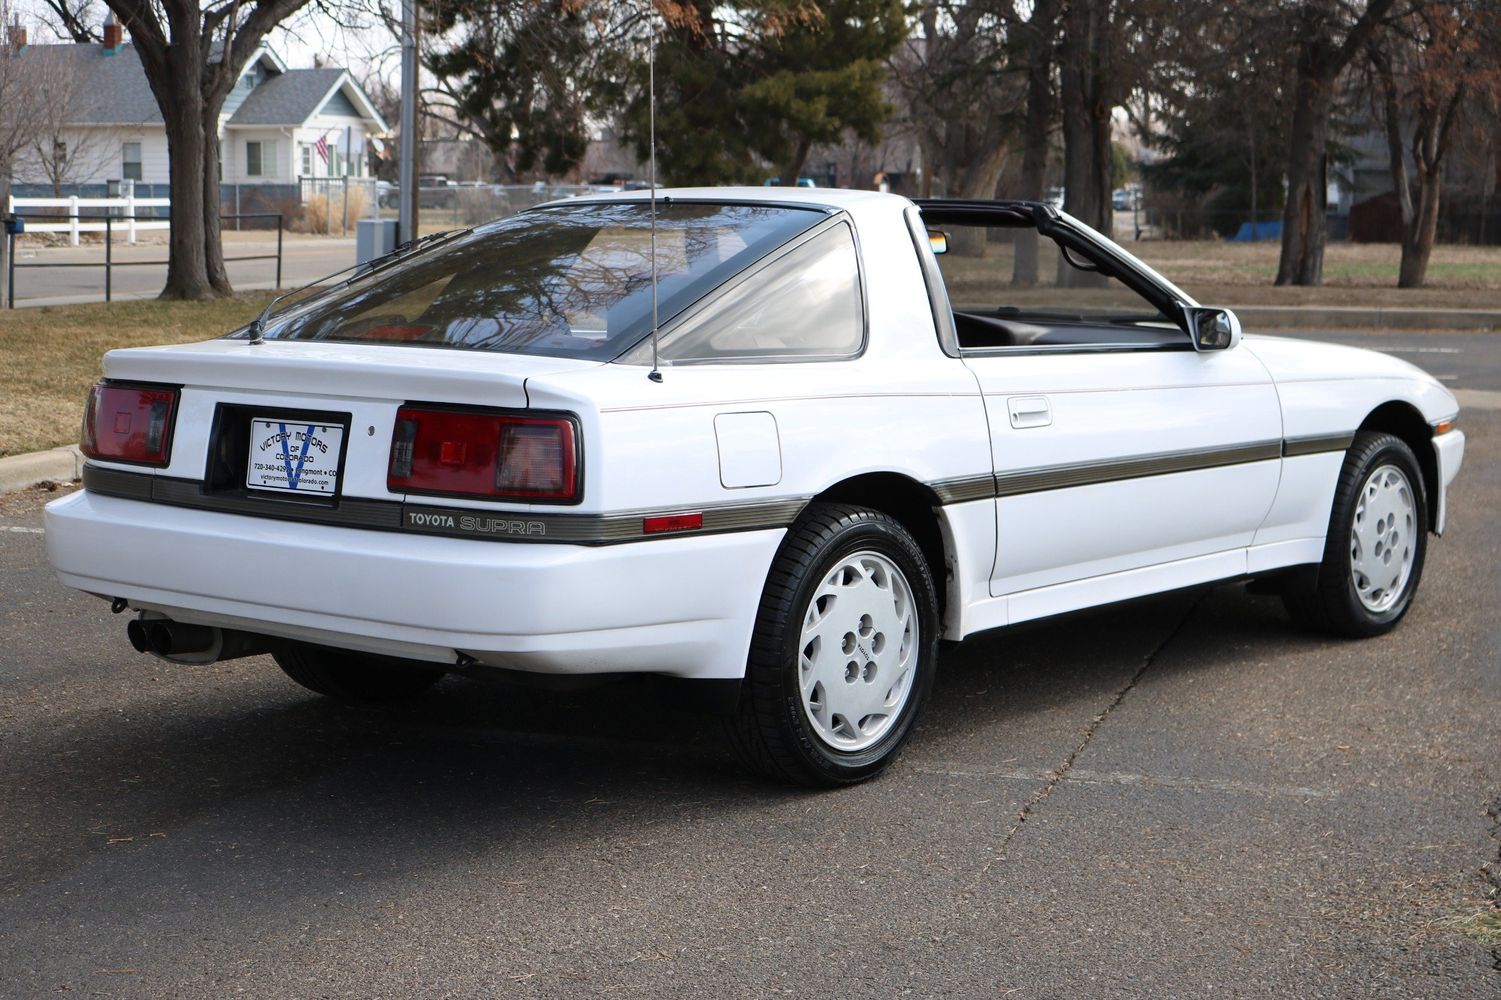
(142, 268)
(1182, 797)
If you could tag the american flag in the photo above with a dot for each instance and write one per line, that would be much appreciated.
(322, 147)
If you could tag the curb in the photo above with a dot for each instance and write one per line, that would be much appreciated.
(54, 465)
(1406, 318)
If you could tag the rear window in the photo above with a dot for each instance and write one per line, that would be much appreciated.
(572, 281)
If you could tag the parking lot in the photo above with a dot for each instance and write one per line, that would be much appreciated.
(1181, 797)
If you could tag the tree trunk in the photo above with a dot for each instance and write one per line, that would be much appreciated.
(1304, 229)
(187, 259)
(1034, 167)
(213, 244)
(1085, 93)
(1418, 239)
(793, 169)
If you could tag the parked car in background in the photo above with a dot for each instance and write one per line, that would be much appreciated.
(842, 435)
(435, 191)
(802, 182)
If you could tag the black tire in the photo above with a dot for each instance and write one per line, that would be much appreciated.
(772, 730)
(349, 676)
(1330, 602)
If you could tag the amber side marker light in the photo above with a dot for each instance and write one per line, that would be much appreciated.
(671, 522)
(1443, 427)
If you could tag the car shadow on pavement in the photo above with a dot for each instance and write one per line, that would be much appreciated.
(259, 760)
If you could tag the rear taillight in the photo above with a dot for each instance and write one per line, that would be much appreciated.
(129, 423)
(483, 454)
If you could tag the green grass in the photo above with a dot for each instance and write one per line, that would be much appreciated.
(49, 356)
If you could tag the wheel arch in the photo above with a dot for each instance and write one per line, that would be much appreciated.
(1403, 420)
(913, 505)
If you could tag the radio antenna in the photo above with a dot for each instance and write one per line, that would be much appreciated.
(651, 145)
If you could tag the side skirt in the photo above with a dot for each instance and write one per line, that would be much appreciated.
(1045, 602)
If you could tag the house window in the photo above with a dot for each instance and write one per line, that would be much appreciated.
(307, 159)
(130, 159)
(260, 159)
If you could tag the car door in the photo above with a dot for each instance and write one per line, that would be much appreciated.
(1126, 461)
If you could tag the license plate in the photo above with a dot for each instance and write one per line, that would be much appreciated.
(293, 457)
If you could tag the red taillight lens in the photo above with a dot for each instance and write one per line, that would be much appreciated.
(473, 453)
(124, 423)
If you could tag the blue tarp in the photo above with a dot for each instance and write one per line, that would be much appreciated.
(1249, 232)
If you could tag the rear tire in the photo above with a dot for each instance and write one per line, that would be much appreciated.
(843, 653)
(349, 676)
(1375, 546)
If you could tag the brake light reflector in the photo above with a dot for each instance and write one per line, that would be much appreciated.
(484, 454)
(672, 522)
(123, 423)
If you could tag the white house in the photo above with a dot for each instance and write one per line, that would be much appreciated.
(269, 130)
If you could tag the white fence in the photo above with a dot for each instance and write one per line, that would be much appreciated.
(92, 208)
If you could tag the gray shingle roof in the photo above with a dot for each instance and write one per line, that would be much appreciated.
(290, 98)
(107, 89)
(112, 89)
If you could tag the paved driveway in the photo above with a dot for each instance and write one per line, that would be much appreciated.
(1182, 797)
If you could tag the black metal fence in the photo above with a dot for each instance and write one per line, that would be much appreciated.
(109, 263)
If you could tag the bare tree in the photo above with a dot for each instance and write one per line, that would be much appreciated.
(30, 99)
(1328, 34)
(1034, 48)
(960, 102)
(65, 155)
(1426, 64)
(192, 55)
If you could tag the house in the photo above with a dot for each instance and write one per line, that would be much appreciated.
(278, 125)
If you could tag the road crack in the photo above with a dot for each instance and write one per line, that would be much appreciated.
(1059, 773)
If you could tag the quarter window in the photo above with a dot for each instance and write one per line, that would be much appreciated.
(805, 305)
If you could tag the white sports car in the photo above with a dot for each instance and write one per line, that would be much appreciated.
(864, 425)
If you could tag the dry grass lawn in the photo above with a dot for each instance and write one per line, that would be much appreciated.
(1355, 274)
(49, 356)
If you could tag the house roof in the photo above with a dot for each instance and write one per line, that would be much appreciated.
(108, 89)
(290, 98)
(112, 89)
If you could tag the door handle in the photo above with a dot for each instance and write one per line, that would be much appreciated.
(1029, 411)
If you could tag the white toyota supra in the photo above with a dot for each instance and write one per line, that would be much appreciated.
(863, 425)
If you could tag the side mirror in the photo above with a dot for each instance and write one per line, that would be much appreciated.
(1212, 328)
(939, 242)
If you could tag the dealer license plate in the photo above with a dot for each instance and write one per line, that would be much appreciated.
(294, 457)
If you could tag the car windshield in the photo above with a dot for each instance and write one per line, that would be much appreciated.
(571, 281)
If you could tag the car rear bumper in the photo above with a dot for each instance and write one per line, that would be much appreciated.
(682, 606)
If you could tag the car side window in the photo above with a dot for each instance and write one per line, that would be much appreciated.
(805, 305)
(1013, 287)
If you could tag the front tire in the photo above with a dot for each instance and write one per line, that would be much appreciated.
(1377, 541)
(843, 653)
(349, 676)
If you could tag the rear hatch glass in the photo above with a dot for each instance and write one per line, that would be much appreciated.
(569, 281)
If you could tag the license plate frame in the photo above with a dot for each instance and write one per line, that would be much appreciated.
(288, 457)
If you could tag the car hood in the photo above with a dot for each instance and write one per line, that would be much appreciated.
(1291, 358)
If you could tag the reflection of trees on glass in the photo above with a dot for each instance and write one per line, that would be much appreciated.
(574, 280)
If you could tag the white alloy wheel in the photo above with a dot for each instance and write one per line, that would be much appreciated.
(858, 651)
(1383, 538)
